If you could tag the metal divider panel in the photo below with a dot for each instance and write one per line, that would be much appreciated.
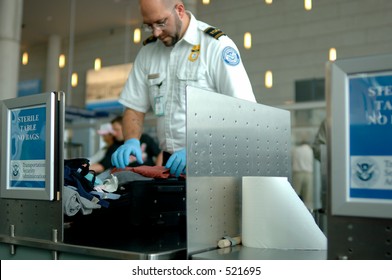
(228, 138)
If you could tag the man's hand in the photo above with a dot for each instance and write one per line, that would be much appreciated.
(177, 163)
(120, 157)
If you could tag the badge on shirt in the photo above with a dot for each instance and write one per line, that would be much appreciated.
(159, 106)
(194, 53)
(153, 76)
(230, 56)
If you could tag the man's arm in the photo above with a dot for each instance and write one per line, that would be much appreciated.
(132, 130)
(228, 70)
(132, 124)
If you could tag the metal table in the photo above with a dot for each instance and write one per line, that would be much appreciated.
(240, 252)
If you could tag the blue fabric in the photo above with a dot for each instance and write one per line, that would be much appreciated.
(73, 178)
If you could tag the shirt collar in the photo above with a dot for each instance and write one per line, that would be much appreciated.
(191, 33)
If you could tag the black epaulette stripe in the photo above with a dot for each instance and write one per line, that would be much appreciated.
(149, 40)
(214, 32)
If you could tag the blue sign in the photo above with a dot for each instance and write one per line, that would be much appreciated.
(370, 110)
(28, 154)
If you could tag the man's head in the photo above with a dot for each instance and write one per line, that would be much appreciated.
(166, 19)
(107, 133)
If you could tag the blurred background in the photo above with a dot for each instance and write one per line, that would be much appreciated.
(86, 47)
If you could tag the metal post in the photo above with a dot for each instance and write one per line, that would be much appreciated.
(12, 234)
(54, 239)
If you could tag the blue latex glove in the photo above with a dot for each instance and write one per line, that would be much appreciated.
(120, 157)
(177, 163)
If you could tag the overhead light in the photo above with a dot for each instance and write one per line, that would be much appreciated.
(61, 61)
(268, 79)
(137, 35)
(247, 40)
(268, 2)
(74, 79)
(97, 64)
(308, 4)
(25, 58)
(332, 54)
(206, 2)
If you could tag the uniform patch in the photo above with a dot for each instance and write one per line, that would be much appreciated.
(230, 56)
(194, 53)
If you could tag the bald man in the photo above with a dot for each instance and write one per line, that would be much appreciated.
(181, 51)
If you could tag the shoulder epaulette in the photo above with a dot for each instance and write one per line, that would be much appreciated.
(214, 32)
(149, 40)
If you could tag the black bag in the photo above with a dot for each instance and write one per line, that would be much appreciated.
(155, 203)
(152, 209)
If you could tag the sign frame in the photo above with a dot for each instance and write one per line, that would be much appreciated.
(339, 79)
(31, 147)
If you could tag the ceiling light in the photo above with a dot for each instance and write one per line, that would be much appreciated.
(247, 40)
(332, 54)
(97, 64)
(206, 2)
(25, 58)
(268, 2)
(61, 61)
(308, 4)
(137, 35)
(268, 79)
(74, 79)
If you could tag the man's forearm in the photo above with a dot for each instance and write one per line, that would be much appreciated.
(132, 124)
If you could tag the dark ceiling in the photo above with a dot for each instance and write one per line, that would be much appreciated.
(42, 18)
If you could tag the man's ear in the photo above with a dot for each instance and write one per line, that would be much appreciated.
(180, 10)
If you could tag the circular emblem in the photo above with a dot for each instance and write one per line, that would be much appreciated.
(364, 172)
(230, 56)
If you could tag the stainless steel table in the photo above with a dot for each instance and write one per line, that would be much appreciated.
(240, 252)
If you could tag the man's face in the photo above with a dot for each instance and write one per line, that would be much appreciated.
(171, 34)
(164, 22)
(108, 138)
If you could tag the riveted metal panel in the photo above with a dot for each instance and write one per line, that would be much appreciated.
(213, 210)
(231, 137)
(31, 218)
(228, 138)
(359, 238)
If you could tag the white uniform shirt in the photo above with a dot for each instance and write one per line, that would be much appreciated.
(160, 75)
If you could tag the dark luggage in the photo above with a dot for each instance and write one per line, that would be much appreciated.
(155, 203)
(145, 208)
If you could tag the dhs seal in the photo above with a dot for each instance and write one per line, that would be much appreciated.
(230, 56)
(365, 172)
(15, 169)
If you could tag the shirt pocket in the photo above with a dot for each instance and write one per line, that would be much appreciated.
(157, 92)
(192, 75)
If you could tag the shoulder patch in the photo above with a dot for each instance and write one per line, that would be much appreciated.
(149, 40)
(230, 56)
(214, 32)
